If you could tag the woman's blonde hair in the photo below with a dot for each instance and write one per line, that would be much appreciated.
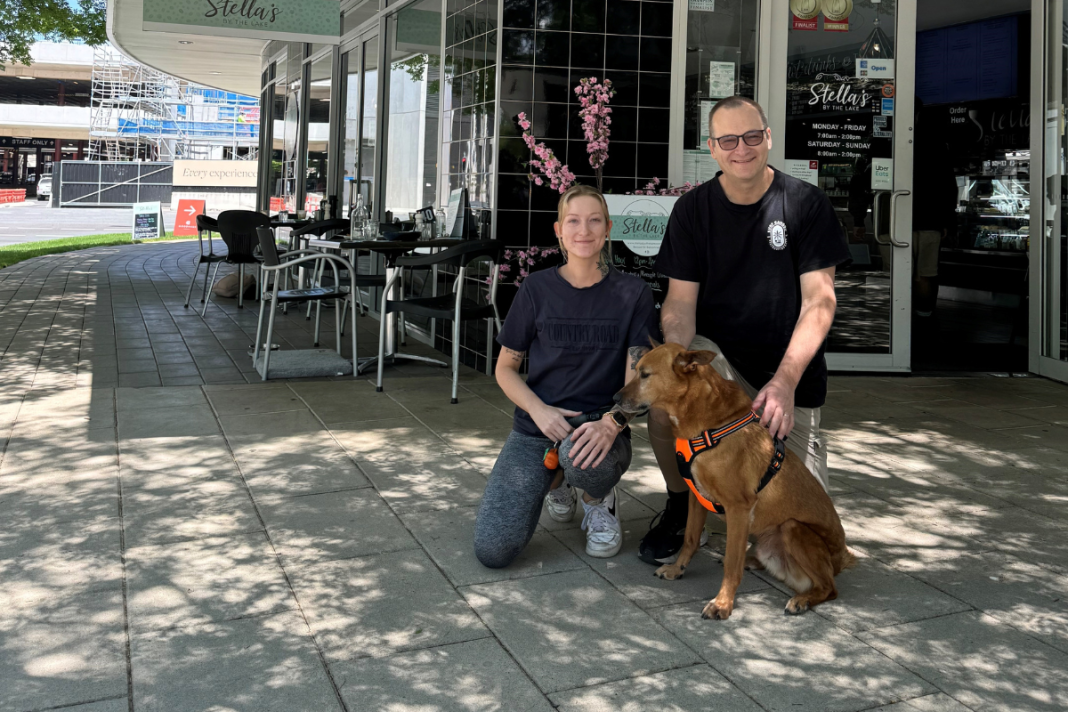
(584, 191)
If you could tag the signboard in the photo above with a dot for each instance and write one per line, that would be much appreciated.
(8, 142)
(185, 222)
(882, 174)
(702, 5)
(808, 171)
(147, 221)
(285, 20)
(638, 226)
(973, 61)
(805, 14)
(215, 174)
(875, 69)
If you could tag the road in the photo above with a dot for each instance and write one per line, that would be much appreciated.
(37, 220)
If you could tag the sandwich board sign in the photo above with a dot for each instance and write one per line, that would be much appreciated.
(147, 221)
(185, 222)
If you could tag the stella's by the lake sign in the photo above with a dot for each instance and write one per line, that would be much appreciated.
(289, 20)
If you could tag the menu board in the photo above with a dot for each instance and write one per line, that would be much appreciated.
(147, 221)
(968, 62)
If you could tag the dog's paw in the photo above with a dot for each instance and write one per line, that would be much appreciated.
(671, 572)
(796, 606)
(718, 609)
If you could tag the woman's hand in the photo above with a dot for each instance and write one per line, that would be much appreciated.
(551, 421)
(591, 442)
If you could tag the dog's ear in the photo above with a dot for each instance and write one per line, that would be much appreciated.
(688, 361)
(653, 343)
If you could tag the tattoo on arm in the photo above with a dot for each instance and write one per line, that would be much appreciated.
(517, 355)
(636, 353)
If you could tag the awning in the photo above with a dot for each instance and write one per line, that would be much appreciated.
(228, 63)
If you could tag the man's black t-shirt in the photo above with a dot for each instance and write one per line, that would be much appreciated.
(577, 338)
(749, 259)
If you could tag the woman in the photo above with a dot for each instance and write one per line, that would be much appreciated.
(584, 325)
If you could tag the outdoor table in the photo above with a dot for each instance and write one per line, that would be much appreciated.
(391, 250)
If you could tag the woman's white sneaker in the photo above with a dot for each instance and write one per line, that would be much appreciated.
(561, 503)
(604, 535)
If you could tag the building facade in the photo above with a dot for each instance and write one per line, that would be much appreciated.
(868, 99)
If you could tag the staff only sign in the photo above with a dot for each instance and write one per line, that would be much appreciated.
(287, 20)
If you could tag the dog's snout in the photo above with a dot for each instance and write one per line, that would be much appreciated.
(618, 397)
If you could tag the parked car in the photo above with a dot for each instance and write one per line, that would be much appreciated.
(44, 188)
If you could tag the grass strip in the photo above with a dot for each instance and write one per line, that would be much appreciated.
(11, 254)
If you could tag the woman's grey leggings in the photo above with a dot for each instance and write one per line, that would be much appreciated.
(511, 504)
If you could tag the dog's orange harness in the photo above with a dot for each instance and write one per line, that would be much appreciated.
(687, 450)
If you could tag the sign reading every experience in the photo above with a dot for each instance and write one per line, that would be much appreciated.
(288, 20)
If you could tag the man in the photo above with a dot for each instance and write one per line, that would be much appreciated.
(751, 257)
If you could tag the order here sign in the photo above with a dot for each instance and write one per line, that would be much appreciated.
(185, 222)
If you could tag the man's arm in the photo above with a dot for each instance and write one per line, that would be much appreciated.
(678, 313)
(817, 313)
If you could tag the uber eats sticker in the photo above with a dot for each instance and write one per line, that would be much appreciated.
(640, 221)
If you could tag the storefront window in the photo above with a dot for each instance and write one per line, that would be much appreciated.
(358, 137)
(350, 128)
(721, 50)
(413, 91)
(318, 132)
(276, 180)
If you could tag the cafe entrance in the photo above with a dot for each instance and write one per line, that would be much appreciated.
(914, 116)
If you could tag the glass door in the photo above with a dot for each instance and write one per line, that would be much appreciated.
(845, 124)
(1050, 318)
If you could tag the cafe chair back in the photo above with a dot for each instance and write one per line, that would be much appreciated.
(238, 230)
(205, 226)
(455, 307)
(271, 294)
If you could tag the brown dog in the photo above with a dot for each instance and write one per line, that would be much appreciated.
(799, 535)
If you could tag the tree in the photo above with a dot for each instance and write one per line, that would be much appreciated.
(23, 22)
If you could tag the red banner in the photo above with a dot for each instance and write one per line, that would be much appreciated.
(800, 24)
(185, 222)
(17, 195)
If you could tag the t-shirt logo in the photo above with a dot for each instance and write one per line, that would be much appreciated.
(583, 334)
(777, 235)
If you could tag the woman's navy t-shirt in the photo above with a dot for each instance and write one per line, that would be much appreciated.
(577, 339)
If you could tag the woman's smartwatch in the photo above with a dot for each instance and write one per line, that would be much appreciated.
(619, 419)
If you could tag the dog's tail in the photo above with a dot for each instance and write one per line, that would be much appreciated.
(848, 560)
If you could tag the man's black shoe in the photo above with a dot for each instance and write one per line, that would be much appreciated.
(662, 543)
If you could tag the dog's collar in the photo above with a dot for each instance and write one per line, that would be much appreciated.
(688, 448)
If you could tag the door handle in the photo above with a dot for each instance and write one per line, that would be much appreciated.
(893, 213)
(875, 223)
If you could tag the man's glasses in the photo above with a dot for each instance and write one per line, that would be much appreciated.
(751, 138)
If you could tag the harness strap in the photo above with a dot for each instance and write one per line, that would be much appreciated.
(686, 449)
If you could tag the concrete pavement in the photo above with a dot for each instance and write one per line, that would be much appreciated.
(218, 544)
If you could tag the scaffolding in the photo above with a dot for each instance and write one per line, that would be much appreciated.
(141, 114)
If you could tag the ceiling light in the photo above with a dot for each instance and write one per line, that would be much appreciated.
(216, 72)
(25, 77)
(184, 42)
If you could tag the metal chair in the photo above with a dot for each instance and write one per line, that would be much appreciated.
(447, 307)
(273, 266)
(207, 225)
(238, 230)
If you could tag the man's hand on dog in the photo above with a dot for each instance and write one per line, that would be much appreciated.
(777, 400)
(591, 442)
(552, 422)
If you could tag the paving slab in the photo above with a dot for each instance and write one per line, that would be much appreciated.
(47, 665)
(551, 623)
(380, 605)
(348, 401)
(337, 525)
(254, 399)
(311, 463)
(261, 663)
(204, 509)
(118, 704)
(982, 663)
(448, 537)
(167, 464)
(694, 688)
(475, 676)
(636, 580)
(202, 581)
(939, 702)
(172, 421)
(791, 662)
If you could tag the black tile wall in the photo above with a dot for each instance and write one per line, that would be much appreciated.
(548, 46)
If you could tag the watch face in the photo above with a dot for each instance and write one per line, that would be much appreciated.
(621, 420)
